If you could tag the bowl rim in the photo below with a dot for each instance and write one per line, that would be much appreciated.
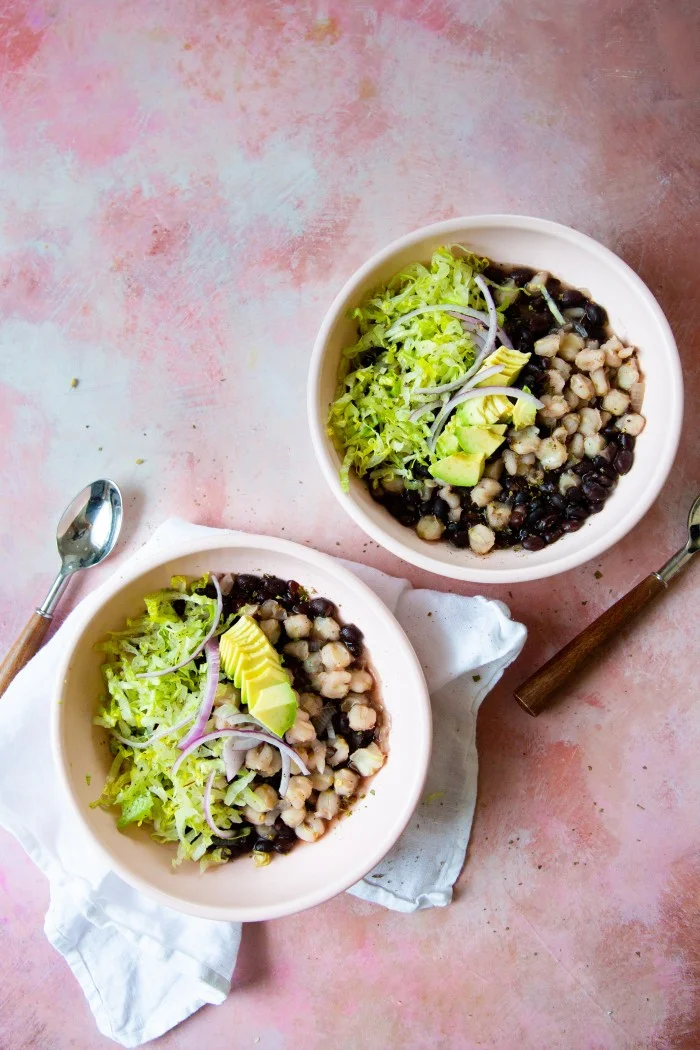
(411, 667)
(476, 574)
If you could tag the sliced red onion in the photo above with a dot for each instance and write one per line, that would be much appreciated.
(233, 760)
(207, 812)
(158, 735)
(429, 406)
(478, 330)
(253, 736)
(486, 374)
(467, 395)
(204, 714)
(286, 774)
(493, 316)
(197, 651)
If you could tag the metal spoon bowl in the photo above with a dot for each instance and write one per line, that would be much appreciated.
(86, 534)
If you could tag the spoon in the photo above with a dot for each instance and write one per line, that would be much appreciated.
(86, 534)
(538, 692)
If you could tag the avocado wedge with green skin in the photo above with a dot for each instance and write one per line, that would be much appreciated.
(463, 469)
(254, 665)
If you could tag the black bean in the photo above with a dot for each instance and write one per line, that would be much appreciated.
(540, 324)
(457, 534)
(584, 467)
(594, 491)
(533, 543)
(301, 679)
(557, 501)
(358, 739)
(294, 592)
(547, 523)
(419, 471)
(246, 584)
(575, 495)
(273, 587)
(610, 432)
(518, 515)
(285, 838)
(179, 606)
(611, 450)
(341, 724)
(301, 607)
(596, 315)
(263, 846)
(571, 526)
(314, 644)
(576, 513)
(623, 461)
(535, 516)
(627, 442)
(321, 607)
(553, 284)
(520, 275)
(505, 538)
(604, 479)
(441, 509)
(553, 535)
(352, 637)
(399, 509)
(523, 341)
(596, 505)
(232, 844)
(496, 274)
(209, 591)
(603, 466)
(569, 297)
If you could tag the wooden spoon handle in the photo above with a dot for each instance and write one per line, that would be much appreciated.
(538, 692)
(23, 648)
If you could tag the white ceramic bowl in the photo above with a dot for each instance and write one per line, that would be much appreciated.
(311, 873)
(635, 317)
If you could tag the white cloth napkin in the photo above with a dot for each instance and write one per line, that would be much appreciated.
(143, 967)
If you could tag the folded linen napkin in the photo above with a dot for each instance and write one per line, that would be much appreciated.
(144, 967)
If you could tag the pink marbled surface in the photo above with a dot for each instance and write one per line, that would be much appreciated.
(183, 187)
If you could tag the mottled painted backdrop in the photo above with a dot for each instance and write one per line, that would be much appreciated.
(183, 187)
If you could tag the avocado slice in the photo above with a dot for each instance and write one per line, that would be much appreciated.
(524, 413)
(256, 669)
(480, 439)
(483, 411)
(246, 661)
(511, 361)
(276, 707)
(244, 634)
(262, 678)
(463, 469)
(447, 443)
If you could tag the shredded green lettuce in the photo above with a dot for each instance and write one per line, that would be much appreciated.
(140, 781)
(369, 419)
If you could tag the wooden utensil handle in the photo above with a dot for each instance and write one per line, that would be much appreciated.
(23, 648)
(538, 692)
